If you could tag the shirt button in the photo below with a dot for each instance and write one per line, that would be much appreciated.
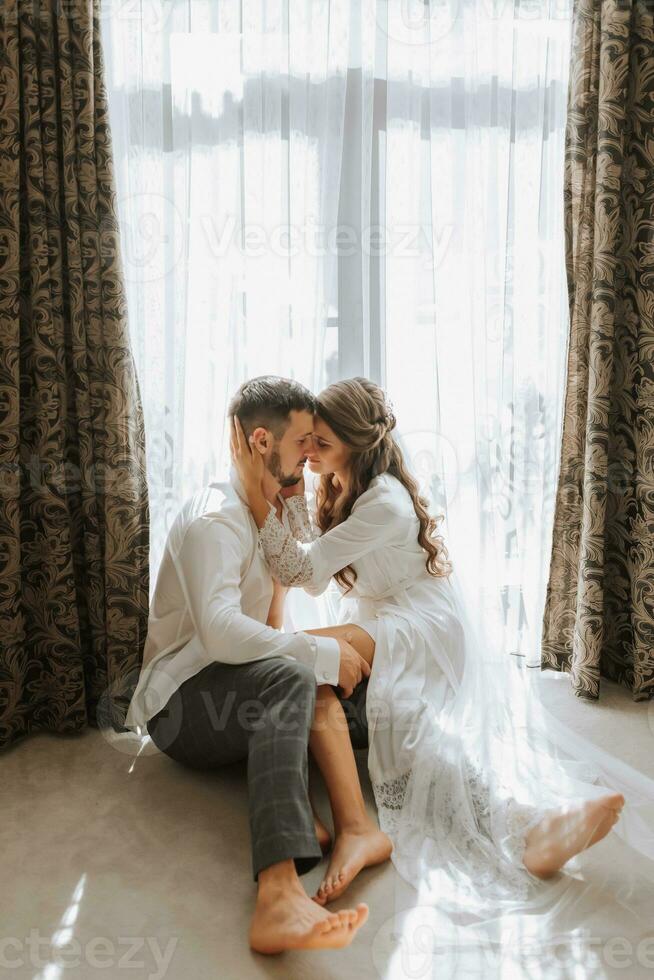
(325, 675)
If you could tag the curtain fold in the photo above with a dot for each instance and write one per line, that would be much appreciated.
(74, 512)
(599, 611)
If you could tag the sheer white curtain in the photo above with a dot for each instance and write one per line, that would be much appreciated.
(334, 187)
(227, 124)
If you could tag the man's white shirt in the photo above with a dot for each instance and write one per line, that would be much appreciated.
(211, 602)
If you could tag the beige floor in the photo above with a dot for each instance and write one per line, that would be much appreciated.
(147, 869)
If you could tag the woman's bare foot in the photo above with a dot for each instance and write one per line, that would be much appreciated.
(567, 830)
(289, 919)
(323, 835)
(354, 848)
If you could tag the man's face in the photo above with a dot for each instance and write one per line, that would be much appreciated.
(287, 457)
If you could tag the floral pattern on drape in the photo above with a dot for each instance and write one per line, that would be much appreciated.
(599, 611)
(74, 513)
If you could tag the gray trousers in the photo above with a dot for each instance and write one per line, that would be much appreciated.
(260, 711)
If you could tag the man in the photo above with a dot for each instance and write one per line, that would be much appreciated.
(219, 684)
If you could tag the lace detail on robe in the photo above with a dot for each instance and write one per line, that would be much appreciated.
(288, 563)
(501, 823)
(300, 520)
(389, 797)
(390, 793)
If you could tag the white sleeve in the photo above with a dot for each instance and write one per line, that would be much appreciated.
(209, 567)
(376, 519)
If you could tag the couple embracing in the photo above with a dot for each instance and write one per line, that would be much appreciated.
(221, 681)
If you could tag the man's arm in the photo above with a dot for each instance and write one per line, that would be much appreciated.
(208, 565)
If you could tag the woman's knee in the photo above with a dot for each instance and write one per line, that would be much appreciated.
(361, 640)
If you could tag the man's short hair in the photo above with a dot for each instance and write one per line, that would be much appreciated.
(268, 401)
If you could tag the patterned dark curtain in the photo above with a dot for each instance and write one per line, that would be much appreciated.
(599, 612)
(74, 514)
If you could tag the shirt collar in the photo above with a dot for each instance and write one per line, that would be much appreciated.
(235, 481)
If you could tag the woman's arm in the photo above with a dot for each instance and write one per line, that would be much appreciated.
(311, 564)
(276, 611)
(299, 518)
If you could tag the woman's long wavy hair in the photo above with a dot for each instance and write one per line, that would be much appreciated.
(358, 413)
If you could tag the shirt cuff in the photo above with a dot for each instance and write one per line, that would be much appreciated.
(328, 659)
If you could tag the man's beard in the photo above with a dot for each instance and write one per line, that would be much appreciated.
(275, 468)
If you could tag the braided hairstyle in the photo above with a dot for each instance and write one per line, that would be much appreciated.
(358, 412)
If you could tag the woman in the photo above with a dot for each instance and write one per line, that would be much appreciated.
(443, 799)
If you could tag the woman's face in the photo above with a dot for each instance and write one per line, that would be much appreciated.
(327, 454)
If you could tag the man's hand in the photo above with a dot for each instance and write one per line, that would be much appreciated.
(353, 667)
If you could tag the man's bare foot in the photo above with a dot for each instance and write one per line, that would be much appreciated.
(354, 848)
(323, 835)
(289, 919)
(565, 831)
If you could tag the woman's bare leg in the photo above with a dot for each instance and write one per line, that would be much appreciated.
(276, 619)
(322, 832)
(330, 741)
(358, 841)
